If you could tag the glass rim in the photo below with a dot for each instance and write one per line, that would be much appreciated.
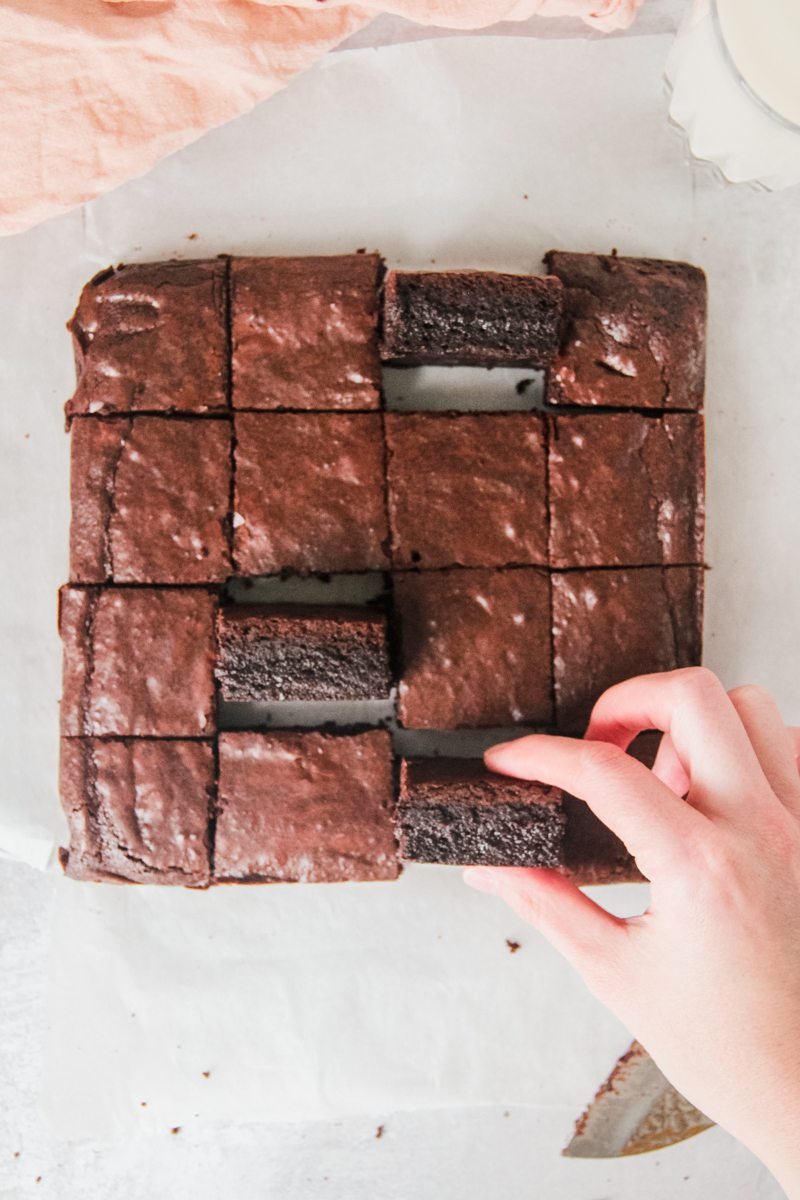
(747, 88)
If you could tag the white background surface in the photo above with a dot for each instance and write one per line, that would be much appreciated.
(426, 152)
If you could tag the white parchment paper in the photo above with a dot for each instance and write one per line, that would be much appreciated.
(309, 1001)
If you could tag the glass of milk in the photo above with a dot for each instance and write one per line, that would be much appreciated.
(734, 75)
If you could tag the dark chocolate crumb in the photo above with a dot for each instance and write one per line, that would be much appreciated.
(512, 945)
(175, 1129)
(206, 1074)
(361, 250)
(379, 1131)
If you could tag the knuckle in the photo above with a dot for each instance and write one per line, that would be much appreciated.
(749, 695)
(698, 683)
(599, 758)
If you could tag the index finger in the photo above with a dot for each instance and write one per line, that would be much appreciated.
(704, 728)
(654, 823)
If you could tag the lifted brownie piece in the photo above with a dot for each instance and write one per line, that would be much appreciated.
(151, 337)
(455, 811)
(138, 662)
(305, 332)
(609, 625)
(626, 489)
(305, 808)
(470, 318)
(466, 490)
(634, 332)
(475, 647)
(294, 652)
(310, 493)
(150, 500)
(138, 809)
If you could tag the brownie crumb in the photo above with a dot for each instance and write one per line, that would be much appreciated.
(513, 946)
(379, 1131)
(175, 1129)
(190, 237)
(522, 386)
(206, 1074)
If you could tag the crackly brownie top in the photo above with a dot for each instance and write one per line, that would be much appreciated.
(465, 781)
(471, 318)
(309, 493)
(610, 625)
(150, 500)
(634, 332)
(475, 647)
(152, 337)
(305, 807)
(466, 489)
(304, 332)
(138, 809)
(138, 661)
(626, 489)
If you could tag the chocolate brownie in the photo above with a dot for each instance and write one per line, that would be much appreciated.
(138, 809)
(466, 490)
(305, 808)
(294, 652)
(309, 493)
(455, 811)
(305, 332)
(626, 489)
(470, 318)
(137, 662)
(150, 500)
(609, 625)
(634, 332)
(475, 647)
(152, 337)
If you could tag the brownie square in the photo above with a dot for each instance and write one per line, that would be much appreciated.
(609, 625)
(305, 332)
(310, 493)
(634, 333)
(137, 662)
(294, 652)
(626, 489)
(474, 646)
(152, 337)
(150, 500)
(138, 809)
(455, 811)
(466, 490)
(305, 808)
(470, 318)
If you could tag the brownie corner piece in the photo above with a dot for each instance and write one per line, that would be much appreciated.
(138, 810)
(305, 332)
(151, 337)
(455, 811)
(633, 335)
(302, 653)
(470, 318)
(305, 807)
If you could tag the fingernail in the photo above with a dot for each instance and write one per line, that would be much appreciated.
(482, 881)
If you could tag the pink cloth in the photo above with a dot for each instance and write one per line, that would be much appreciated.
(95, 92)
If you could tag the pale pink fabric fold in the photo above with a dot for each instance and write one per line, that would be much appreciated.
(94, 92)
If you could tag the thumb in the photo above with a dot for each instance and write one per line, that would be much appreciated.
(592, 940)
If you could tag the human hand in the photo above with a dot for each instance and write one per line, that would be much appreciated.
(708, 978)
